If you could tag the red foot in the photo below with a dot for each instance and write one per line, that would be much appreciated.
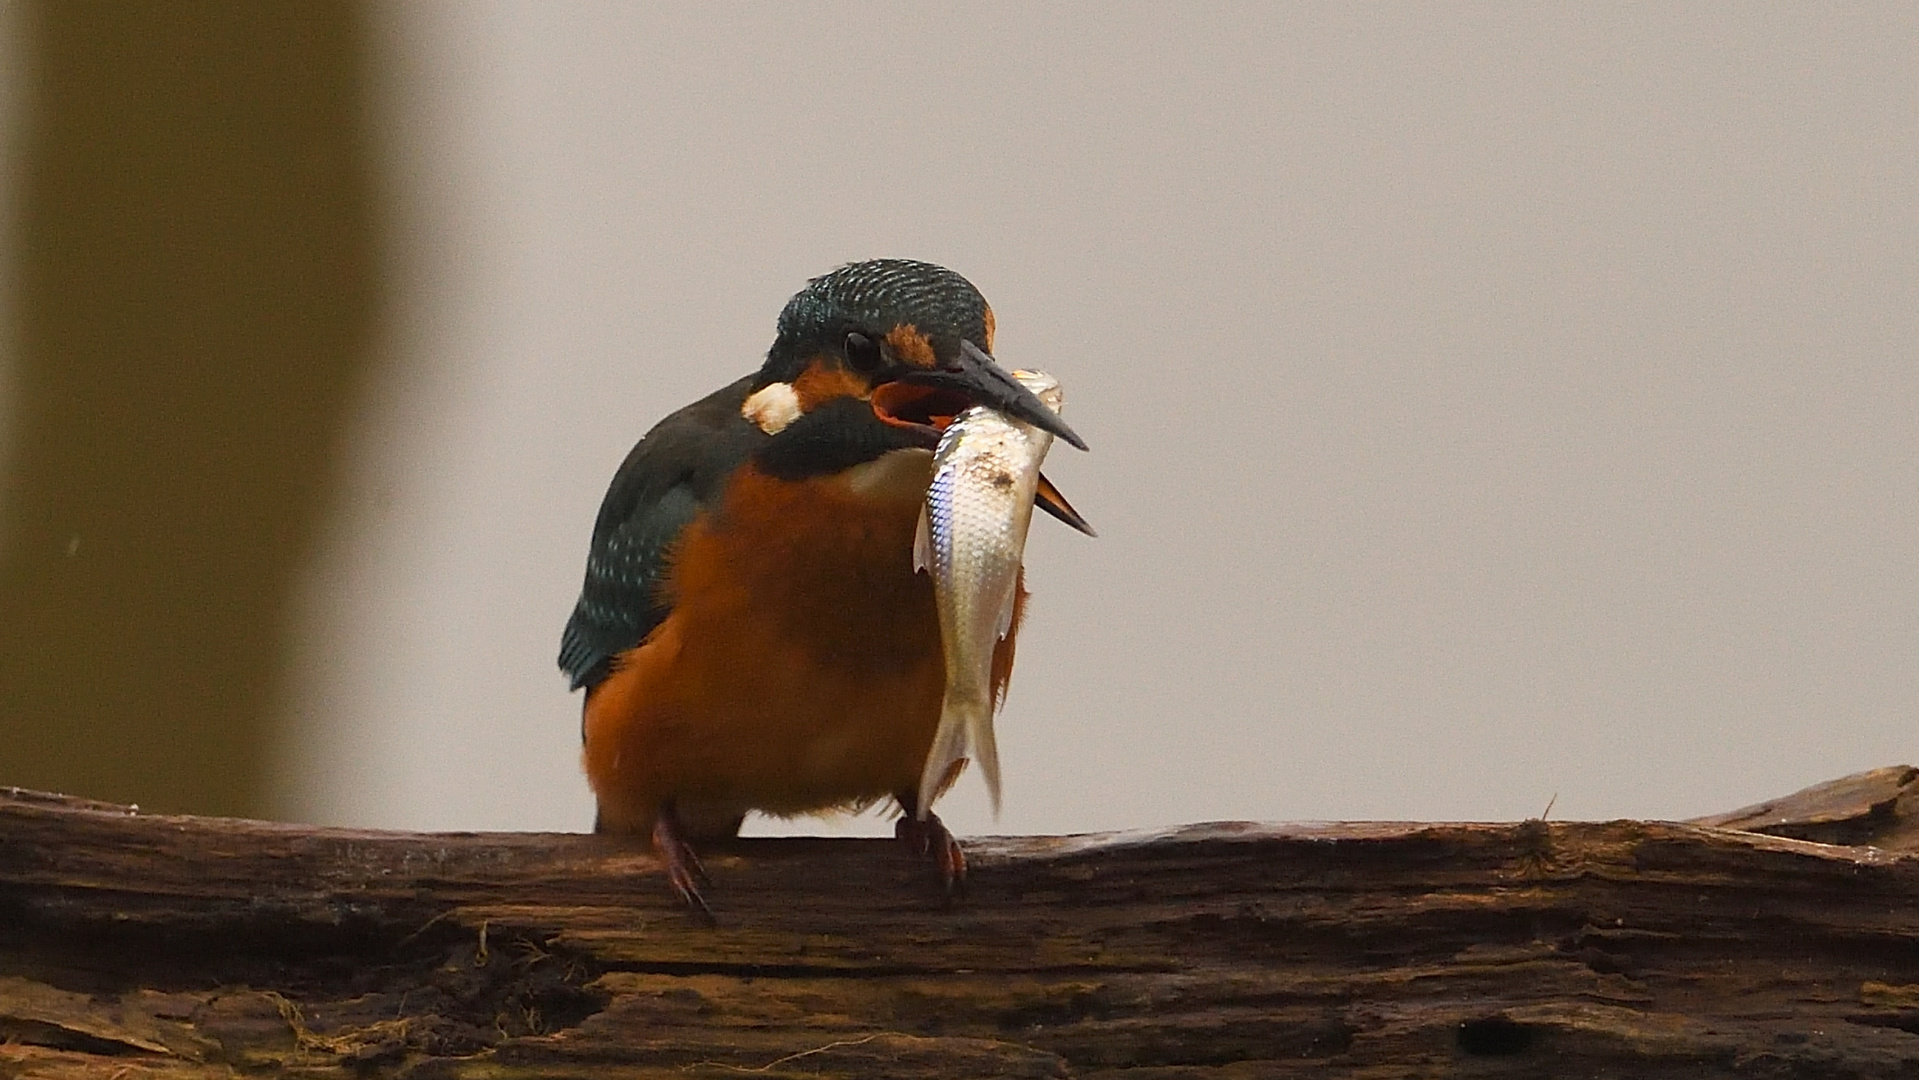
(930, 839)
(683, 869)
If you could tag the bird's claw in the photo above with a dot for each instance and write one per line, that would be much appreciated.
(683, 869)
(931, 839)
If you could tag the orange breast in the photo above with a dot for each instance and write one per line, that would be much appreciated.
(800, 668)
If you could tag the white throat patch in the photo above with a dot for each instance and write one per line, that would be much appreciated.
(895, 476)
(773, 407)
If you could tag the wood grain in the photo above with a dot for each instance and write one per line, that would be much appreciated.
(134, 945)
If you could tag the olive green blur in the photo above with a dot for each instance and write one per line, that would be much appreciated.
(194, 309)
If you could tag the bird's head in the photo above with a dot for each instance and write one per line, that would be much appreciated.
(883, 355)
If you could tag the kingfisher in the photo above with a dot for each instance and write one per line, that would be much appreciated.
(752, 634)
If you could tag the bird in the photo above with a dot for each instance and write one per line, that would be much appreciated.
(751, 634)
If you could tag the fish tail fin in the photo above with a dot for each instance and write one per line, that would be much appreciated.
(986, 749)
(949, 746)
(966, 727)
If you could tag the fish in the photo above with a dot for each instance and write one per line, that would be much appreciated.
(972, 537)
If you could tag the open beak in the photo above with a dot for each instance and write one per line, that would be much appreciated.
(980, 379)
(927, 401)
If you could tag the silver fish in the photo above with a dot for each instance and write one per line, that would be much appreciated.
(972, 535)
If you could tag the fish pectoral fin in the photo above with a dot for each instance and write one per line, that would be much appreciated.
(1006, 612)
(922, 544)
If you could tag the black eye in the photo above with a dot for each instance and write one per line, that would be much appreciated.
(862, 353)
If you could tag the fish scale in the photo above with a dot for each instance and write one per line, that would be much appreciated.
(972, 537)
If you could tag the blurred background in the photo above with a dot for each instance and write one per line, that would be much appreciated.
(1489, 403)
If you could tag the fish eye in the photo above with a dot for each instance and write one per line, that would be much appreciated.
(862, 353)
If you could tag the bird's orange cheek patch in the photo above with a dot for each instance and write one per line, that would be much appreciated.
(911, 346)
(822, 382)
(992, 324)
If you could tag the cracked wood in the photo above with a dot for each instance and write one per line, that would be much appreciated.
(134, 945)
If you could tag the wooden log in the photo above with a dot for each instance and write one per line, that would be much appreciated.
(134, 945)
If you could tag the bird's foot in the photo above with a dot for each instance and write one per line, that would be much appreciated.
(683, 869)
(930, 839)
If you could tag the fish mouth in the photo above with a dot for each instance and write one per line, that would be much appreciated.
(979, 380)
(926, 401)
(929, 410)
(924, 410)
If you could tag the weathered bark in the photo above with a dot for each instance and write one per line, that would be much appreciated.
(136, 946)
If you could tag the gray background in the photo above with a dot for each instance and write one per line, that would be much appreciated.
(1488, 403)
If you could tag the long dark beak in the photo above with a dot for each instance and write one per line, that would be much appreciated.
(981, 379)
(1049, 499)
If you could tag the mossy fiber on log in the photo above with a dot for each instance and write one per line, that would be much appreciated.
(142, 946)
